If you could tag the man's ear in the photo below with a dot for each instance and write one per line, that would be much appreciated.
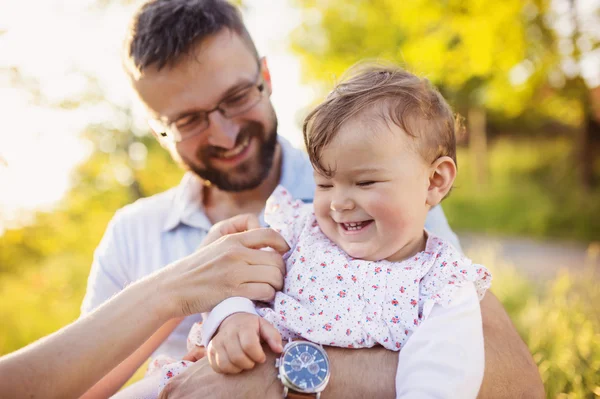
(266, 75)
(441, 178)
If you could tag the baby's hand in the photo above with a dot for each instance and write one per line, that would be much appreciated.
(236, 346)
(195, 354)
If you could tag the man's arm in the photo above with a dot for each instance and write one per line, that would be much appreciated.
(510, 371)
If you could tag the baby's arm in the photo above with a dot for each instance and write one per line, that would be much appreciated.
(444, 358)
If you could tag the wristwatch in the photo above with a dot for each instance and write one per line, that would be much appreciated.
(303, 369)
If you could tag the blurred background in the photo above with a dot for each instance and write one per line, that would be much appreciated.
(525, 75)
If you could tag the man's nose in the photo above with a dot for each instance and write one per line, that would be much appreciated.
(222, 132)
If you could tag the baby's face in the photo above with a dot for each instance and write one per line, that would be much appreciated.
(375, 204)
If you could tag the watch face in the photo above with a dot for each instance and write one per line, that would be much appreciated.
(305, 366)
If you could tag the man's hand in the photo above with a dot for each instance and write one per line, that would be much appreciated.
(237, 347)
(201, 381)
(232, 265)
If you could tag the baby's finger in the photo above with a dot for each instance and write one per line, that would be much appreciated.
(250, 343)
(237, 355)
(195, 354)
(270, 335)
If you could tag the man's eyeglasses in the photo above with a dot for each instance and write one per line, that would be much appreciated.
(195, 123)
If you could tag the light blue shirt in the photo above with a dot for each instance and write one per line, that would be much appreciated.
(153, 232)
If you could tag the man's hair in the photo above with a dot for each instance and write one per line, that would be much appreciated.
(389, 94)
(163, 31)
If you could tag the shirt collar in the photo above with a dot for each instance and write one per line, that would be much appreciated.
(186, 205)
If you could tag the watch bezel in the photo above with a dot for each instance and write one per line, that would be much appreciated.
(283, 374)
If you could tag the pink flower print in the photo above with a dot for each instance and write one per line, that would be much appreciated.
(444, 264)
(346, 266)
(313, 278)
(353, 278)
(348, 331)
(339, 277)
(309, 331)
(301, 319)
(359, 297)
(314, 223)
(350, 346)
(455, 264)
(323, 264)
(322, 289)
(299, 277)
(327, 327)
(348, 308)
(342, 294)
(386, 339)
(395, 320)
(368, 318)
(389, 270)
(337, 317)
(398, 345)
(416, 258)
(408, 268)
(413, 302)
(376, 287)
(321, 313)
(377, 270)
(438, 254)
(327, 251)
(416, 322)
(282, 302)
(298, 248)
(405, 332)
(362, 341)
(395, 302)
(311, 298)
(463, 271)
(402, 289)
(326, 297)
(302, 259)
(300, 291)
(169, 374)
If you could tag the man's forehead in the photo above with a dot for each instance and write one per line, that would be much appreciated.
(200, 79)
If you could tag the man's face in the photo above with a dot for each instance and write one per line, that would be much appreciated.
(236, 153)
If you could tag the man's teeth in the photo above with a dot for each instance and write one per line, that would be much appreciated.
(237, 150)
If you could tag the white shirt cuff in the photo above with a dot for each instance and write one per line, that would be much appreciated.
(223, 310)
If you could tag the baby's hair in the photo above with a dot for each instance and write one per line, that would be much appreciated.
(390, 94)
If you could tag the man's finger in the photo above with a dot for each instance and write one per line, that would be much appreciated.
(256, 292)
(239, 223)
(195, 354)
(264, 237)
(270, 335)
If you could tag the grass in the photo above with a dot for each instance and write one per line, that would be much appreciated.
(532, 190)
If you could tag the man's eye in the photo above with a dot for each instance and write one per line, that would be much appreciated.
(365, 183)
(236, 100)
(188, 122)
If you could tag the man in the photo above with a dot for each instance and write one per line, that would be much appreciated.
(197, 71)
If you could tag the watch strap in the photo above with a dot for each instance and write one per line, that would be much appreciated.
(298, 395)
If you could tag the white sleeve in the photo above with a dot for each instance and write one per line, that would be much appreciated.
(222, 311)
(437, 223)
(109, 273)
(444, 358)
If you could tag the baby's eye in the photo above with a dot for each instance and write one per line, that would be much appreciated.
(324, 186)
(365, 183)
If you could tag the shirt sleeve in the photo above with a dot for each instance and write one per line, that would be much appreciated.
(108, 275)
(222, 311)
(444, 358)
(437, 224)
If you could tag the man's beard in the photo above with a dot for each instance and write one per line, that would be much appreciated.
(247, 175)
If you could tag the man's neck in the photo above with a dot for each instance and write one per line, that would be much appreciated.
(220, 205)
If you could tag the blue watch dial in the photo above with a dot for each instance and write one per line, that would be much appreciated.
(305, 365)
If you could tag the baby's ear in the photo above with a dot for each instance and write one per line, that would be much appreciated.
(441, 178)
